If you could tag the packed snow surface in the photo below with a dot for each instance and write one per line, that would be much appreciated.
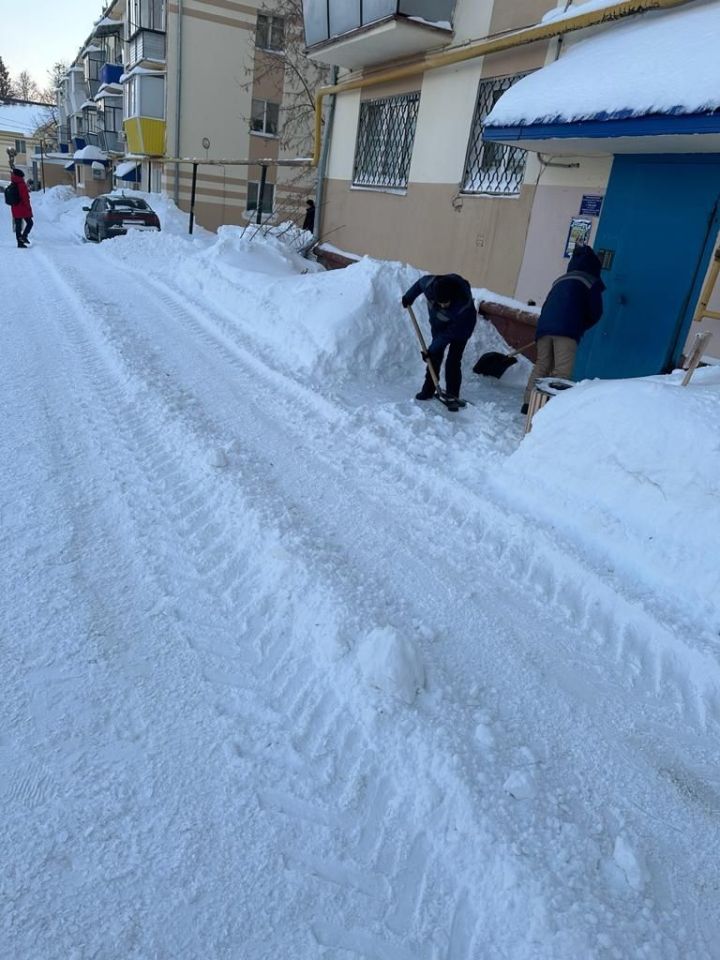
(297, 667)
(614, 71)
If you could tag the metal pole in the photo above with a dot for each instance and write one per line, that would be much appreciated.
(261, 193)
(42, 164)
(192, 197)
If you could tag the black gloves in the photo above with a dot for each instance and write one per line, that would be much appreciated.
(406, 300)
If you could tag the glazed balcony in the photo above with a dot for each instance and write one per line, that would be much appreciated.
(362, 33)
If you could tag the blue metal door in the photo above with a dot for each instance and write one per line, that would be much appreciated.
(657, 231)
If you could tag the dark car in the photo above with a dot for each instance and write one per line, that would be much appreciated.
(113, 215)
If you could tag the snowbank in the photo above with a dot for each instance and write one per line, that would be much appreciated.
(631, 470)
(328, 326)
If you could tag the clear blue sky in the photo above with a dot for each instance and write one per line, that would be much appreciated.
(48, 31)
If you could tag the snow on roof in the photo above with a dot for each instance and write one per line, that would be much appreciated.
(655, 63)
(127, 166)
(90, 153)
(23, 118)
(575, 9)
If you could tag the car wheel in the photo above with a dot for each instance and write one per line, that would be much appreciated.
(88, 235)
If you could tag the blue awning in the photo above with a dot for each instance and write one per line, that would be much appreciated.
(649, 83)
(129, 171)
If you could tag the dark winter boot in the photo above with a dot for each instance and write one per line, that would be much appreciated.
(425, 394)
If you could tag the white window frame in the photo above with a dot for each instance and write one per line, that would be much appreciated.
(269, 191)
(273, 24)
(254, 117)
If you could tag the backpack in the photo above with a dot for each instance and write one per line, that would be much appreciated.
(12, 194)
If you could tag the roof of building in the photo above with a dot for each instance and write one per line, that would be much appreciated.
(662, 63)
(22, 118)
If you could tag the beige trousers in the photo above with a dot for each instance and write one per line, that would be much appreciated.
(555, 358)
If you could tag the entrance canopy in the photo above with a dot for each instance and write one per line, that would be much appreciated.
(129, 171)
(647, 85)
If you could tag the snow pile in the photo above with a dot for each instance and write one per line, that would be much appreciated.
(329, 326)
(631, 470)
(238, 250)
(391, 664)
(581, 85)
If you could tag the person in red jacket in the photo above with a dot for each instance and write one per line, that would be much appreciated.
(21, 211)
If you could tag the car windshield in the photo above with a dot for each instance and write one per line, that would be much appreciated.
(127, 203)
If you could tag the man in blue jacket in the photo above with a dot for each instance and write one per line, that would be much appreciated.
(573, 305)
(452, 320)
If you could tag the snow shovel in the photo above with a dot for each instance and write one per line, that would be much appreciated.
(495, 364)
(452, 403)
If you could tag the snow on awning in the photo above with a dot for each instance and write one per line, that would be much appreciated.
(70, 166)
(90, 153)
(655, 75)
(128, 170)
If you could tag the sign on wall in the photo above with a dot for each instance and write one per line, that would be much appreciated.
(579, 233)
(591, 205)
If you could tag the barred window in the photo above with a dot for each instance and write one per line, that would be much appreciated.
(386, 133)
(492, 167)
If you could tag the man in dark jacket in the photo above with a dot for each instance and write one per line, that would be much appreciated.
(573, 305)
(21, 211)
(309, 221)
(452, 320)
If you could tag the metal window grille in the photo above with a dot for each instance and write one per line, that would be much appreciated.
(492, 167)
(386, 133)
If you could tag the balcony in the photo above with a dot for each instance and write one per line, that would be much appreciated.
(362, 33)
(110, 74)
(145, 136)
(146, 48)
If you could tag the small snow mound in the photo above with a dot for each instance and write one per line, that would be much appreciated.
(521, 785)
(392, 664)
(627, 867)
(243, 249)
(218, 458)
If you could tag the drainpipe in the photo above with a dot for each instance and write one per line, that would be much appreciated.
(324, 157)
(547, 31)
(178, 89)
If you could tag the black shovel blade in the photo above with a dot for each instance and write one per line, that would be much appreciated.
(493, 364)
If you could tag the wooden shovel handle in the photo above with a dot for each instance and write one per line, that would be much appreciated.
(423, 347)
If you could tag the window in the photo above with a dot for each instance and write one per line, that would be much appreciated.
(264, 117)
(386, 133)
(145, 96)
(492, 167)
(268, 197)
(270, 33)
(92, 69)
(20, 146)
(91, 120)
(145, 15)
(112, 119)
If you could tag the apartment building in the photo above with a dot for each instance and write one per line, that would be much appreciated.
(420, 169)
(160, 81)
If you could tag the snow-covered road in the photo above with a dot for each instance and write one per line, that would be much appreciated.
(224, 582)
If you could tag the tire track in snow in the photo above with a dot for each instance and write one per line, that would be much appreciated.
(318, 717)
(516, 560)
(653, 649)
